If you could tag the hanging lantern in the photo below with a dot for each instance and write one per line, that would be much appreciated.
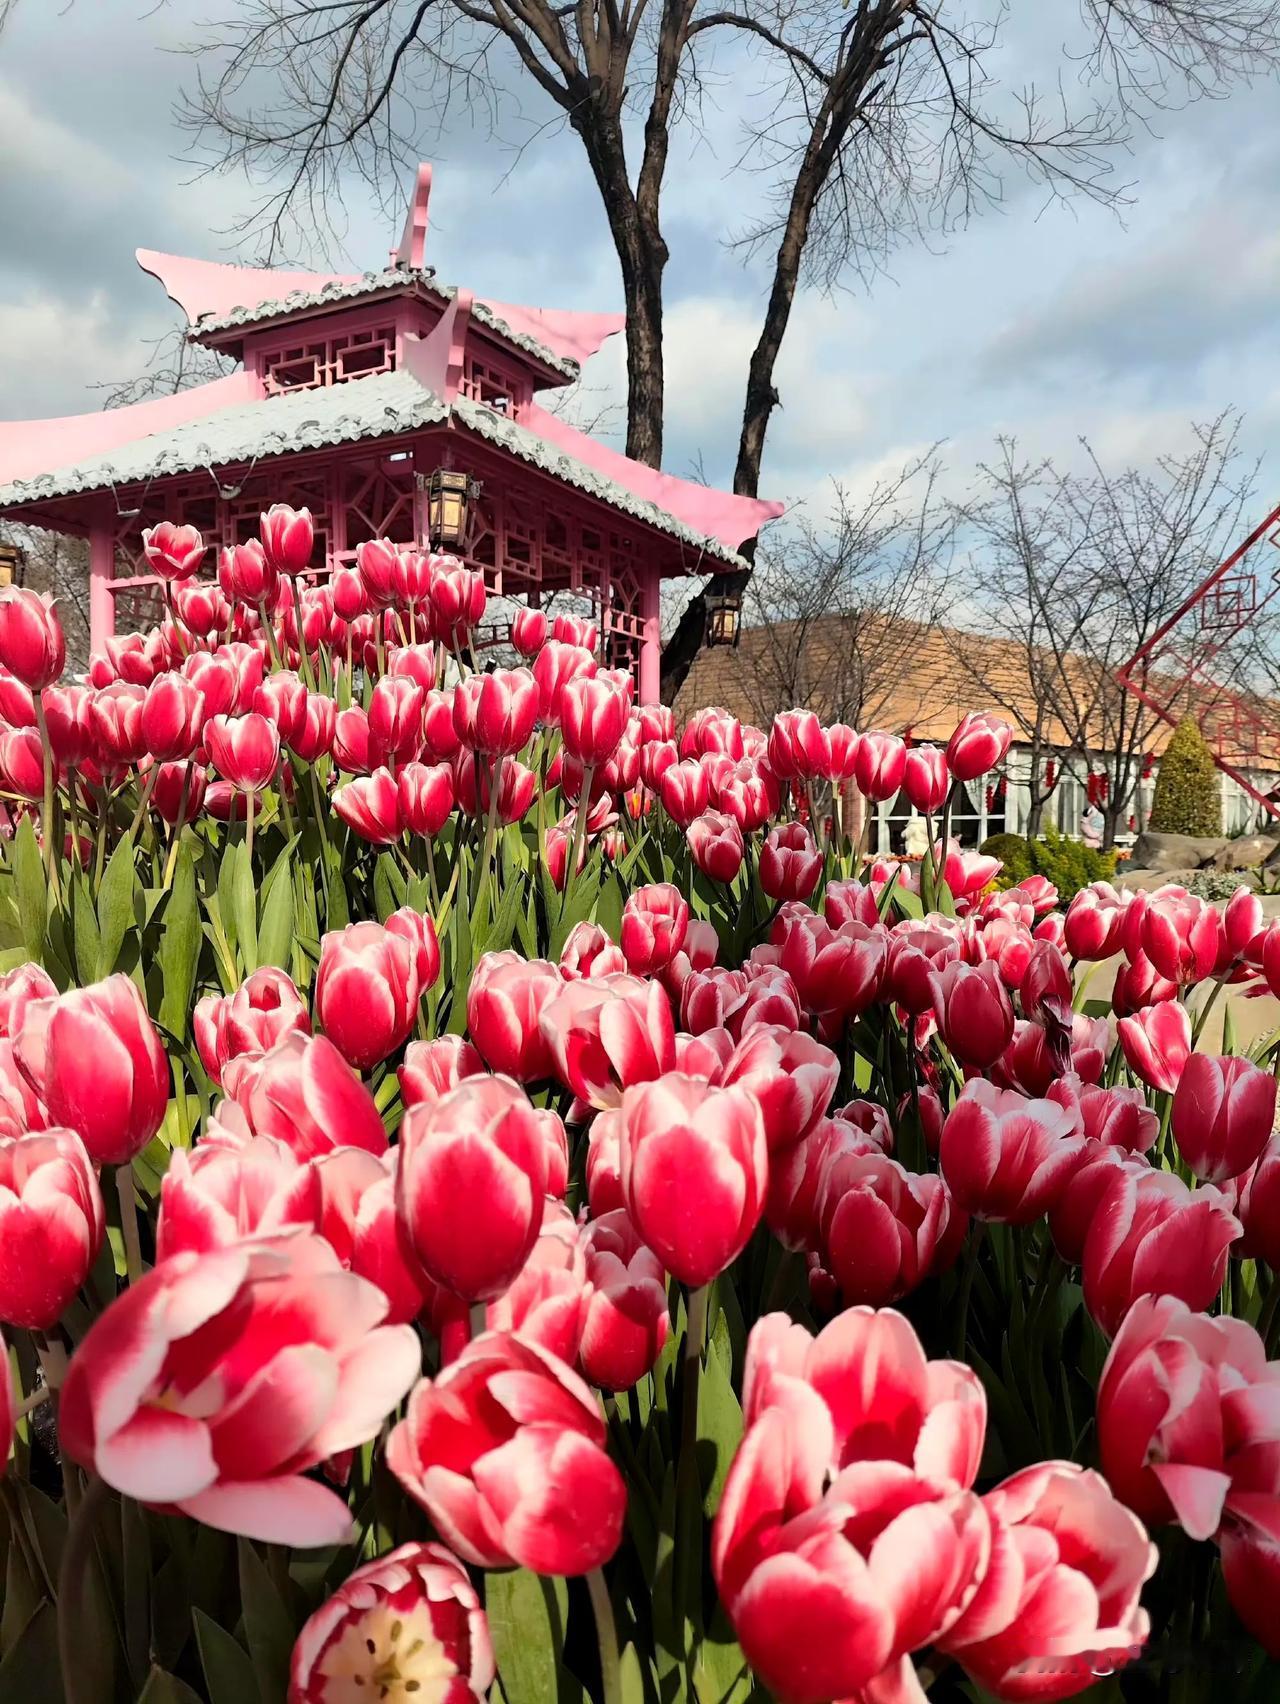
(991, 797)
(1050, 776)
(12, 557)
(450, 496)
(724, 618)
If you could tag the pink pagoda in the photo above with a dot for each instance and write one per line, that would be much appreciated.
(359, 396)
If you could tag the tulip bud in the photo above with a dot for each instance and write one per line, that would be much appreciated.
(287, 537)
(433, 1068)
(32, 645)
(1006, 1158)
(246, 577)
(172, 717)
(978, 744)
(528, 631)
(714, 840)
(880, 766)
(1182, 935)
(217, 1196)
(494, 713)
(973, 1011)
(371, 807)
(926, 778)
(482, 1142)
(684, 1141)
(593, 714)
(882, 1230)
(798, 745)
(116, 717)
(505, 1002)
(395, 717)
(1095, 921)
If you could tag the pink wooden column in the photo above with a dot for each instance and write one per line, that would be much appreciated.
(102, 605)
(651, 642)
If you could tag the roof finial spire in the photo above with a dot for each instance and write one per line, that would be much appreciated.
(413, 244)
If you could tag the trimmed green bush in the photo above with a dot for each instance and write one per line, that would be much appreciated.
(1068, 864)
(1187, 799)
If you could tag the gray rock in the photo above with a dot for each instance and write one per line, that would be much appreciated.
(1246, 853)
(1146, 881)
(1174, 851)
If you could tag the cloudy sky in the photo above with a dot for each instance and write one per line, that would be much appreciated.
(1041, 323)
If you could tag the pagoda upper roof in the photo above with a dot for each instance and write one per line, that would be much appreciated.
(239, 431)
(219, 298)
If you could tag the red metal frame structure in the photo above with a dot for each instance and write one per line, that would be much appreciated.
(1228, 600)
(350, 391)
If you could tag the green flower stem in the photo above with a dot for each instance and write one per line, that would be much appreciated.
(129, 1222)
(75, 1559)
(46, 811)
(688, 1491)
(607, 1634)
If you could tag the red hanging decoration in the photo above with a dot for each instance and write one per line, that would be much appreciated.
(1148, 765)
(1050, 776)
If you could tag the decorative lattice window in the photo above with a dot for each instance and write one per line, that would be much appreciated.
(324, 361)
(497, 389)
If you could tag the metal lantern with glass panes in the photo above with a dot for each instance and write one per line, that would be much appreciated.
(450, 496)
(724, 618)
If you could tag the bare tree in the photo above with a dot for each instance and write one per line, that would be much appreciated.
(835, 612)
(1079, 571)
(874, 120)
(174, 364)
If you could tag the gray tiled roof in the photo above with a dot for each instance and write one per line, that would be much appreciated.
(377, 407)
(379, 283)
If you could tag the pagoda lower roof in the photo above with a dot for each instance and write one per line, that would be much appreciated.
(386, 405)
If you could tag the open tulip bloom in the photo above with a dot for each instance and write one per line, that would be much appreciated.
(459, 1125)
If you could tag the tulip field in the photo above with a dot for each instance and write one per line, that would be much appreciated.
(501, 1198)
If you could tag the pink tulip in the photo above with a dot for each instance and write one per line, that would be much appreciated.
(748, 792)
(288, 536)
(95, 1060)
(554, 666)
(264, 1009)
(215, 1197)
(412, 1613)
(575, 630)
(604, 1034)
(19, 989)
(546, 1302)
(245, 750)
(926, 778)
(798, 746)
(1243, 925)
(881, 1229)
(246, 577)
(179, 792)
(528, 631)
(495, 713)
(850, 902)
(1157, 1043)
(685, 792)
(714, 839)
(626, 1320)
(135, 659)
(1078, 1201)
(282, 699)
(372, 806)
(305, 1094)
(51, 1228)
(973, 1011)
(356, 1215)
(116, 718)
(367, 991)
(69, 719)
(395, 717)
(481, 1143)
(656, 758)
(419, 930)
(916, 952)
(376, 566)
(790, 863)
(425, 797)
(458, 601)
(354, 748)
(215, 676)
(1255, 1198)
(835, 970)
(18, 705)
(655, 920)
(1137, 986)
(433, 1068)
(791, 1076)
(855, 1464)
(978, 744)
(1152, 1235)
(797, 1174)
(32, 645)
(172, 717)
(216, 1381)
(1182, 935)
(516, 787)
(1006, 1158)
(880, 766)
(173, 552)
(505, 1451)
(1059, 1602)
(588, 952)
(1120, 1117)
(505, 1002)
(1161, 1410)
(683, 1141)
(842, 743)
(1223, 1112)
(593, 715)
